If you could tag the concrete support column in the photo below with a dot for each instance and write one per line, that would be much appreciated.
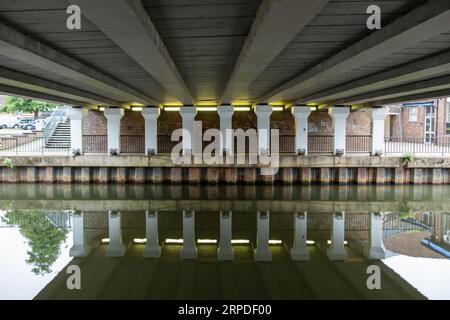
(151, 116)
(113, 117)
(188, 117)
(378, 117)
(115, 248)
(189, 249)
(152, 248)
(339, 116)
(226, 128)
(80, 248)
(337, 249)
(262, 251)
(76, 129)
(225, 251)
(299, 251)
(263, 113)
(301, 115)
(375, 249)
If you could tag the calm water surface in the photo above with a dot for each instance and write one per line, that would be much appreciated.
(216, 242)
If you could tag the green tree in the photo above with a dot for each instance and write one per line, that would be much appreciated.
(16, 104)
(44, 238)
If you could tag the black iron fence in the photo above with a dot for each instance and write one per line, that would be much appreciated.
(320, 144)
(358, 143)
(132, 144)
(95, 144)
(10, 146)
(439, 146)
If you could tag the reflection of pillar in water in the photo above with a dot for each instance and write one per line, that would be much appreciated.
(375, 249)
(80, 248)
(115, 247)
(337, 249)
(152, 249)
(262, 251)
(189, 250)
(299, 251)
(225, 251)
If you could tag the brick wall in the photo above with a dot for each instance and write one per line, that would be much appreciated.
(413, 129)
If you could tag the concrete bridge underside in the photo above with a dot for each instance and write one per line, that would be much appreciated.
(194, 52)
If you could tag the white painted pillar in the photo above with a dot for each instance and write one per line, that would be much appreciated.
(80, 248)
(115, 248)
(189, 249)
(301, 115)
(152, 248)
(151, 116)
(226, 128)
(263, 114)
(375, 249)
(262, 251)
(76, 129)
(188, 117)
(113, 117)
(299, 251)
(339, 115)
(337, 249)
(378, 117)
(225, 251)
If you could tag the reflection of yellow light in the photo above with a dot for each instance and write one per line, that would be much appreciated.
(277, 108)
(101, 109)
(345, 242)
(171, 108)
(206, 108)
(140, 241)
(104, 241)
(173, 104)
(206, 104)
(207, 241)
(240, 241)
(310, 242)
(275, 242)
(176, 241)
(242, 103)
(241, 108)
(313, 108)
(136, 108)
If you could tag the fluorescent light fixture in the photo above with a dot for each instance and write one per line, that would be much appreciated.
(207, 241)
(310, 242)
(174, 241)
(345, 242)
(101, 109)
(140, 241)
(171, 108)
(240, 241)
(313, 108)
(104, 241)
(206, 108)
(136, 108)
(277, 108)
(275, 242)
(241, 108)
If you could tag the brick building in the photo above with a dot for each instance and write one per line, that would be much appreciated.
(421, 120)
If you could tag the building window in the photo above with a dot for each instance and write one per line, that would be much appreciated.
(413, 114)
(447, 117)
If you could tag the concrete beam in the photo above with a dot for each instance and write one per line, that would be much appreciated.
(422, 23)
(424, 68)
(275, 26)
(8, 90)
(127, 23)
(420, 87)
(10, 78)
(17, 46)
(415, 97)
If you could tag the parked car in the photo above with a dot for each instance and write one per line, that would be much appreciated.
(40, 124)
(7, 122)
(21, 123)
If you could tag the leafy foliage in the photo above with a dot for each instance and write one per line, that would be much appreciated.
(16, 104)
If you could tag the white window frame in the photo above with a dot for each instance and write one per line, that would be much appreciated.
(413, 116)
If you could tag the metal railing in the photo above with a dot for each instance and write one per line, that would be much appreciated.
(439, 146)
(358, 143)
(132, 144)
(15, 146)
(95, 144)
(320, 144)
(287, 144)
(59, 115)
